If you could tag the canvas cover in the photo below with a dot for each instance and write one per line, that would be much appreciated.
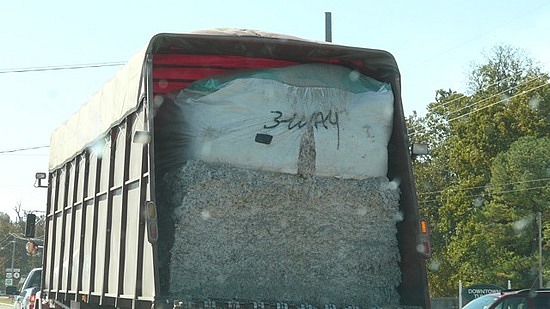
(121, 95)
(116, 99)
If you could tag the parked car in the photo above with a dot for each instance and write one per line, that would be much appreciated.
(482, 302)
(518, 299)
(31, 286)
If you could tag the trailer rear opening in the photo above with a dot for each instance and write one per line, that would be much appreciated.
(218, 169)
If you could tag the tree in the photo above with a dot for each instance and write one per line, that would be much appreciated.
(520, 184)
(12, 246)
(509, 98)
(506, 68)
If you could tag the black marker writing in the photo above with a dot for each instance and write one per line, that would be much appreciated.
(317, 119)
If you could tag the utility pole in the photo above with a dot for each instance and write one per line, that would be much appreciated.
(13, 256)
(540, 250)
(328, 26)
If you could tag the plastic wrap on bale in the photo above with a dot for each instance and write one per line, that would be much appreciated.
(256, 119)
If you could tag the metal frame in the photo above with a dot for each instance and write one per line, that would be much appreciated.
(69, 194)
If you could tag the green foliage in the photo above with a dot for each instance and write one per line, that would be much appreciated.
(519, 182)
(489, 152)
(10, 232)
(521, 174)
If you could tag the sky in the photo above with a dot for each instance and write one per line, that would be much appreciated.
(435, 44)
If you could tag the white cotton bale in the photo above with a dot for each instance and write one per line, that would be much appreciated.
(256, 120)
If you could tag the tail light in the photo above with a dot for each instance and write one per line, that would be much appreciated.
(424, 247)
(32, 300)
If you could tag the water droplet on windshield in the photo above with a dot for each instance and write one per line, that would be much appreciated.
(205, 215)
(399, 216)
(434, 265)
(521, 224)
(354, 76)
(477, 202)
(534, 103)
(394, 184)
(163, 84)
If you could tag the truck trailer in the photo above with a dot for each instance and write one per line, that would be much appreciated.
(237, 169)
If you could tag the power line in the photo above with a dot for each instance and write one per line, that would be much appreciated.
(499, 193)
(496, 94)
(17, 236)
(443, 104)
(486, 187)
(5, 241)
(507, 21)
(22, 149)
(461, 96)
(63, 67)
(492, 104)
(485, 99)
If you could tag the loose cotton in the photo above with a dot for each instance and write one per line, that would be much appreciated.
(259, 236)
